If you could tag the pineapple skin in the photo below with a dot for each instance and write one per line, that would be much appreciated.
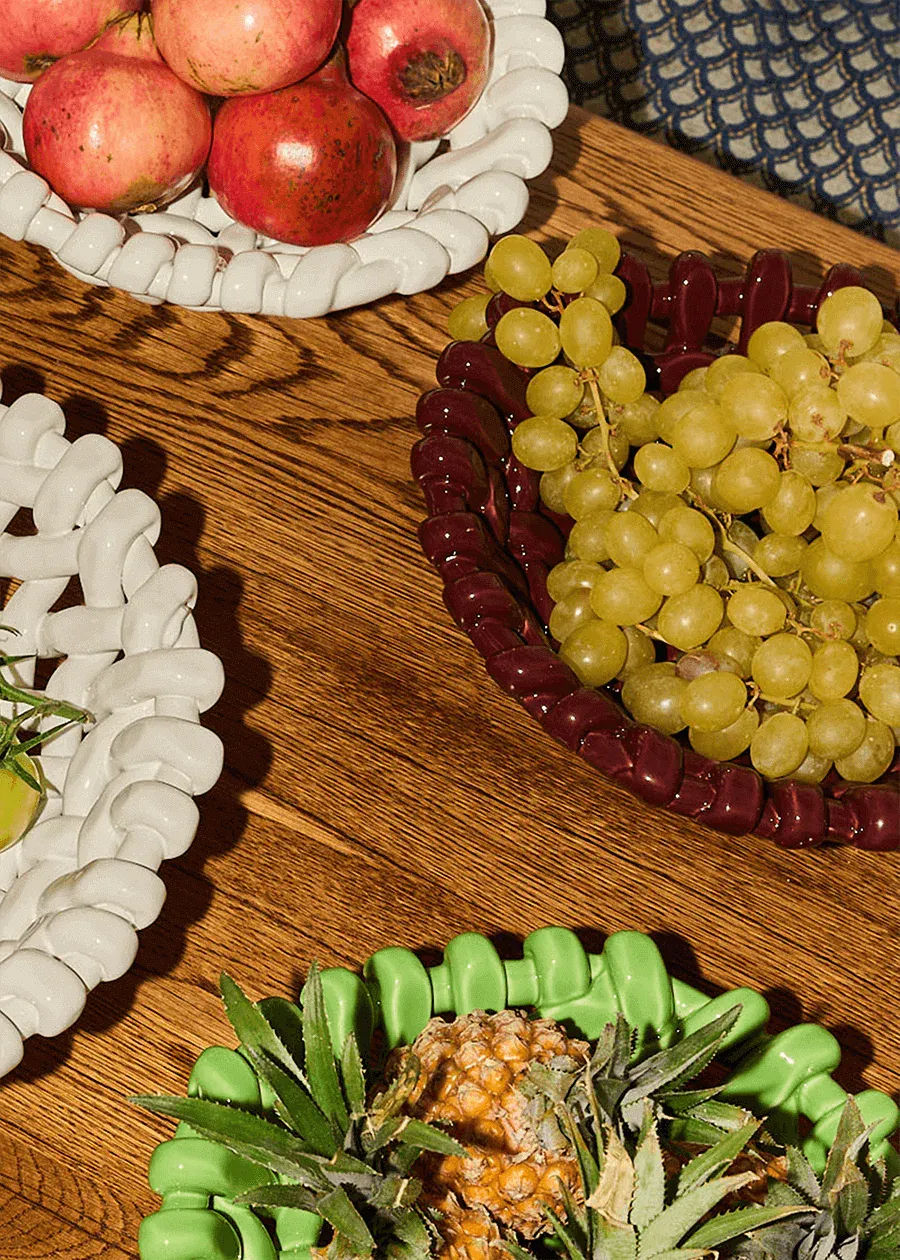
(470, 1070)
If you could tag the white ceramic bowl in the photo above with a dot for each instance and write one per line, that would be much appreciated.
(454, 197)
(82, 881)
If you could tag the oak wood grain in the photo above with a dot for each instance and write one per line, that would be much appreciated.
(379, 788)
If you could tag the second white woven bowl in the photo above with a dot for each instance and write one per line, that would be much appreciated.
(453, 199)
(92, 602)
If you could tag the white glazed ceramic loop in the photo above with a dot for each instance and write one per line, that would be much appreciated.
(192, 254)
(82, 881)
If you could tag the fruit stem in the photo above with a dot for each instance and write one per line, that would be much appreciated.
(603, 425)
(727, 543)
(430, 76)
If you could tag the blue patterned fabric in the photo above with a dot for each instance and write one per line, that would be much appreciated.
(802, 96)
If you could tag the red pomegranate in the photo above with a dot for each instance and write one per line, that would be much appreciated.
(130, 35)
(115, 132)
(310, 164)
(238, 47)
(34, 33)
(426, 64)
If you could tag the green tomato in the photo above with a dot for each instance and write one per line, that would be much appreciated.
(19, 802)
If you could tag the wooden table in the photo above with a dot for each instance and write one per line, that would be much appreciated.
(378, 787)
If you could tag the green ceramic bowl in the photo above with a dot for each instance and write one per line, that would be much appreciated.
(786, 1076)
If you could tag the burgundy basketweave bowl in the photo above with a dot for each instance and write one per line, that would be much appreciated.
(494, 542)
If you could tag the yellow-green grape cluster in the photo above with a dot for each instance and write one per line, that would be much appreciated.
(734, 562)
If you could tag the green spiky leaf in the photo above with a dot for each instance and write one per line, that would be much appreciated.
(717, 1158)
(337, 1209)
(321, 1069)
(295, 1106)
(743, 1220)
(671, 1226)
(354, 1077)
(650, 1181)
(251, 1027)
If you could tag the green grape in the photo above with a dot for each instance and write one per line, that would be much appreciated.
(590, 489)
(879, 690)
(818, 466)
(703, 437)
(641, 651)
(467, 321)
(544, 443)
(638, 420)
(835, 665)
(653, 694)
(602, 244)
(675, 407)
(624, 598)
(595, 651)
(882, 625)
(756, 609)
(526, 337)
(713, 701)
(574, 270)
(728, 743)
(570, 612)
(824, 495)
(670, 568)
(812, 769)
(687, 620)
(832, 577)
(723, 369)
(521, 268)
(629, 537)
(781, 666)
(771, 342)
(886, 569)
(609, 290)
(588, 537)
(695, 379)
(754, 406)
(794, 506)
(849, 321)
(553, 486)
(585, 414)
(836, 728)
(682, 524)
(621, 376)
(736, 646)
(872, 757)
(886, 351)
(870, 392)
(654, 504)
(892, 438)
(702, 486)
(800, 368)
(779, 554)
(746, 540)
(858, 522)
(834, 618)
(596, 442)
(659, 467)
(490, 279)
(569, 575)
(715, 572)
(556, 391)
(816, 414)
(779, 745)
(747, 479)
(586, 332)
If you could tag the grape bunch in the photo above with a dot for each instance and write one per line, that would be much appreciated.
(733, 564)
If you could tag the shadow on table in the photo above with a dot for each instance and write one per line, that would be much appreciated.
(222, 816)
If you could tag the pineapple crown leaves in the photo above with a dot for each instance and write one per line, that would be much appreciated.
(334, 1155)
(631, 1213)
(856, 1207)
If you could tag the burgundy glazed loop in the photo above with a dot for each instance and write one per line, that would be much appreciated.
(494, 543)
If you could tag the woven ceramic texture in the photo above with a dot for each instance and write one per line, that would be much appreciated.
(449, 205)
(114, 629)
(800, 97)
(494, 542)
(787, 1075)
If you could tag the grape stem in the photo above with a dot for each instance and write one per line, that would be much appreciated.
(727, 543)
(603, 425)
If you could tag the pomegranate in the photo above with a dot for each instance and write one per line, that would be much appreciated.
(116, 132)
(130, 35)
(310, 164)
(238, 47)
(425, 64)
(34, 33)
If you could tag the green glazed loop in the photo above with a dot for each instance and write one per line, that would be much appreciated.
(786, 1076)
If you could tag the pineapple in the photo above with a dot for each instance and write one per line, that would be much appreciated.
(469, 1071)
